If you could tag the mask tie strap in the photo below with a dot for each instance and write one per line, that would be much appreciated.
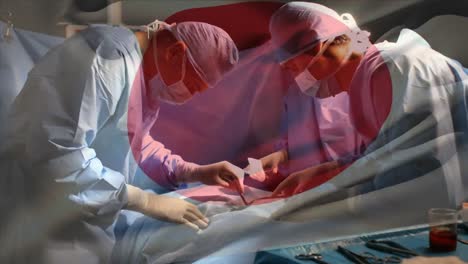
(7, 34)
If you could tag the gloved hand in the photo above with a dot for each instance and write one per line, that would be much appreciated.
(424, 260)
(271, 162)
(165, 208)
(222, 173)
(303, 180)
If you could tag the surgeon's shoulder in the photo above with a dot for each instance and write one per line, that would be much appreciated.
(105, 43)
(109, 42)
(423, 66)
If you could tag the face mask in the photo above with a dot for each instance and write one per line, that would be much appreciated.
(322, 86)
(308, 84)
(176, 93)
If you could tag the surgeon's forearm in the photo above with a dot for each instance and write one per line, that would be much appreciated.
(280, 156)
(137, 198)
(321, 168)
(163, 167)
(275, 158)
(187, 172)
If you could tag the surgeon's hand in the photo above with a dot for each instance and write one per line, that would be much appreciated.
(221, 173)
(424, 260)
(271, 162)
(165, 208)
(303, 180)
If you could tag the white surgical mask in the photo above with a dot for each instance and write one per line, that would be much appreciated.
(310, 86)
(307, 83)
(176, 93)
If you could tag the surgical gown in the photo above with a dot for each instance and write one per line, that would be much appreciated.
(409, 82)
(419, 133)
(425, 125)
(70, 136)
(415, 161)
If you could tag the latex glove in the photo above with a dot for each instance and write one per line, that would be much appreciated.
(424, 260)
(271, 163)
(222, 173)
(301, 181)
(165, 208)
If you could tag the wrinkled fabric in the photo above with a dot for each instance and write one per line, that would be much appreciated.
(425, 130)
(243, 112)
(219, 57)
(155, 161)
(145, 233)
(416, 152)
(70, 130)
(432, 113)
(68, 155)
(266, 115)
(67, 142)
(319, 130)
(18, 56)
(243, 232)
(252, 111)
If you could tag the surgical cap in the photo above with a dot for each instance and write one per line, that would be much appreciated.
(211, 51)
(299, 26)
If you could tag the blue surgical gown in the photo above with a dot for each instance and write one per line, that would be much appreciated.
(69, 127)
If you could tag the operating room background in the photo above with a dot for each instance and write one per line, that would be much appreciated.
(43, 16)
